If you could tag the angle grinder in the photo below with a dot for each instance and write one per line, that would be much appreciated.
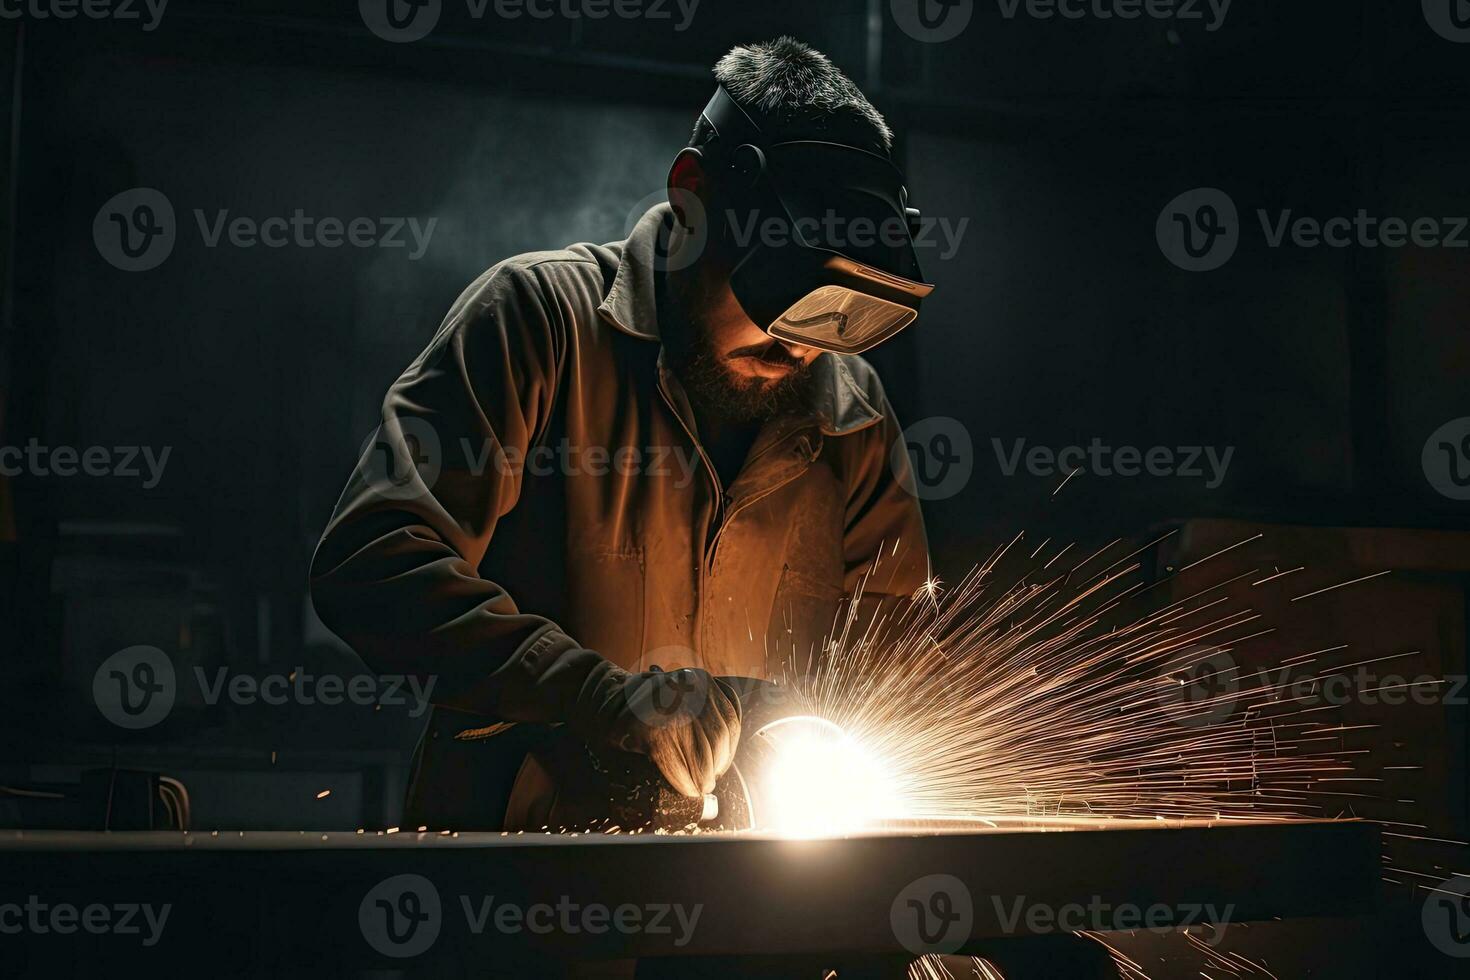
(566, 784)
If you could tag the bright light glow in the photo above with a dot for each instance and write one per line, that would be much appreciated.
(818, 781)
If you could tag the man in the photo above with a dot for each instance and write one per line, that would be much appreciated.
(649, 454)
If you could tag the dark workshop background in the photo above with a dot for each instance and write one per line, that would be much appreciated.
(1057, 320)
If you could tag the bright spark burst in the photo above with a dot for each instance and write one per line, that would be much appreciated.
(1060, 692)
(1073, 689)
(820, 781)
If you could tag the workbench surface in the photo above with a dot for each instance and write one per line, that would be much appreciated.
(304, 897)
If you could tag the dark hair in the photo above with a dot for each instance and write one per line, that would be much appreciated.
(795, 92)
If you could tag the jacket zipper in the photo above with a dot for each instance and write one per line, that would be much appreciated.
(719, 504)
(753, 498)
(723, 514)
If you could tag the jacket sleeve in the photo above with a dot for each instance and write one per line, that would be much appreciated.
(396, 572)
(886, 549)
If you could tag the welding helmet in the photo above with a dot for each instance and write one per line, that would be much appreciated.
(822, 232)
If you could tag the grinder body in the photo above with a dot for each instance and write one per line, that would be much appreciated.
(566, 784)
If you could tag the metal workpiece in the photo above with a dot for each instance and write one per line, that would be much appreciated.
(339, 900)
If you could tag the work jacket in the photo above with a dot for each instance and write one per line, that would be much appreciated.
(538, 483)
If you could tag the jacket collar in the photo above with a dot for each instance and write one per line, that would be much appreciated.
(838, 403)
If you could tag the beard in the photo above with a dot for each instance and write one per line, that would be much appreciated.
(715, 387)
(711, 382)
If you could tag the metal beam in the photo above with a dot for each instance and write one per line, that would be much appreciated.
(306, 899)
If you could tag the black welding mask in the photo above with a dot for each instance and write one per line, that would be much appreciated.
(823, 235)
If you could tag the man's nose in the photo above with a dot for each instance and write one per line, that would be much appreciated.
(797, 351)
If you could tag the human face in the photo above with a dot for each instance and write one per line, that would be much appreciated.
(730, 366)
(729, 363)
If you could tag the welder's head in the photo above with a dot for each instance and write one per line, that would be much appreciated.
(792, 232)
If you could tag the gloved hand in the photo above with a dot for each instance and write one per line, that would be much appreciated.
(686, 721)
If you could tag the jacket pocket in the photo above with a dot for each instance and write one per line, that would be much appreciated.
(802, 618)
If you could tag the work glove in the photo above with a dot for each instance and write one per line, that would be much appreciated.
(685, 721)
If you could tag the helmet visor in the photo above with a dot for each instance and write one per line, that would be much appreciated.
(836, 318)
